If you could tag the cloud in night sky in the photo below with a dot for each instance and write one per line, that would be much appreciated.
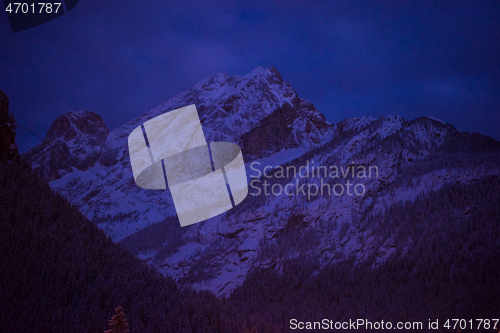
(121, 58)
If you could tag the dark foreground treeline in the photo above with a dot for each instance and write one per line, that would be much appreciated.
(60, 273)
(451, 268)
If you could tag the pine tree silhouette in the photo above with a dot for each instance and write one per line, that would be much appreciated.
(118, 322)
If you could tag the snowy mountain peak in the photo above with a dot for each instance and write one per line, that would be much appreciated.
(74, 140)
(235, 109)
(354, 123)
(211, 82)
(436, 119)
(394, 118)
(259, 111)
(257, 71)
(74, 123)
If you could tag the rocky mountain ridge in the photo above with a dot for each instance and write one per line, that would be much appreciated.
(244, 110)
(412, 159)
(74, 140)
(263, 114)
(8, 146)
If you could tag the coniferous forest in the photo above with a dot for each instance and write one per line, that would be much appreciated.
(60, 273)
(450, 271)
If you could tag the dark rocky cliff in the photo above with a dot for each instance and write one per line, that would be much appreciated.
(8, 147)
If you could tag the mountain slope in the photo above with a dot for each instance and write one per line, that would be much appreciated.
(412, 158)
(451, 270)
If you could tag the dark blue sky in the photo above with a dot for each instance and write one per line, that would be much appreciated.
(121, 58)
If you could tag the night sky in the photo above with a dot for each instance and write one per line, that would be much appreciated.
(121, 58)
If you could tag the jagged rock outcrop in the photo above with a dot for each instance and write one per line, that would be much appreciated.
(74, 140)
(289, 126)
(245, 110)
(8, 147)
